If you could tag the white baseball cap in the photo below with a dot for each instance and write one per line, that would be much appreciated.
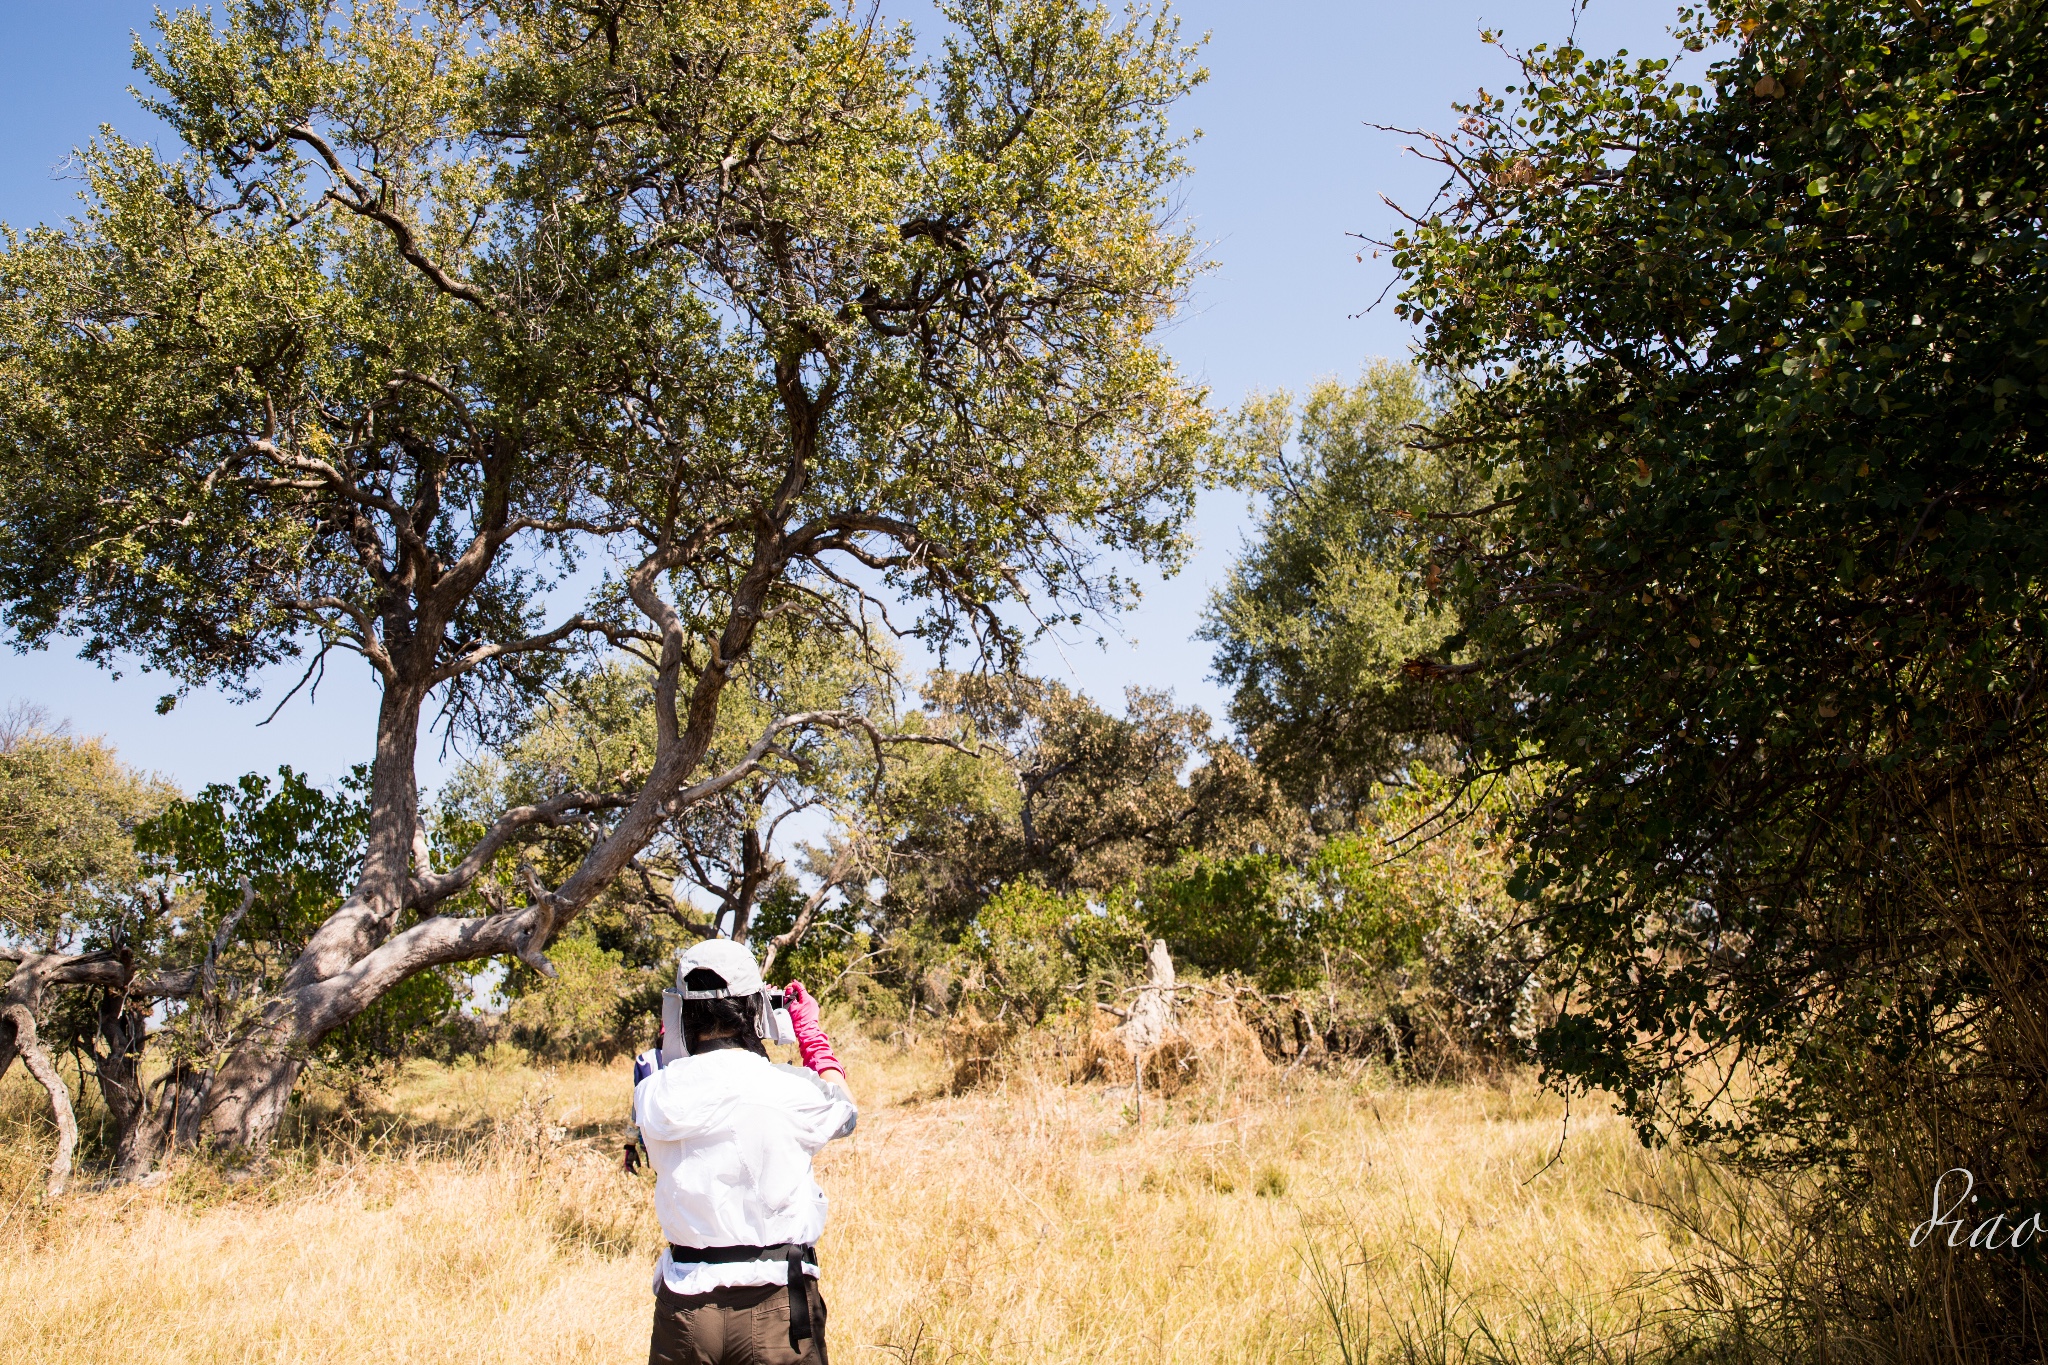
(732, 963)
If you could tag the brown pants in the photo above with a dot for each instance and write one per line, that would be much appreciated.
(741, 1326)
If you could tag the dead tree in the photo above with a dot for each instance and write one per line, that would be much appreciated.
(1150, 1021)
(147, 1118)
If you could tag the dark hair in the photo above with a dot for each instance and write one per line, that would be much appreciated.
(709, 1025)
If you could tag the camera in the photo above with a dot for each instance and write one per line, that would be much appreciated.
(778, 1028)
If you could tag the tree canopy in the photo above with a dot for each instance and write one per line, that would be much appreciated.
(1754, 371)
(69, 810)
(476, 342)
(1045, 786)
(1337, 589)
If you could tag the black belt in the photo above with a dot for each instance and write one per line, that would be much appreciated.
(794, 1253)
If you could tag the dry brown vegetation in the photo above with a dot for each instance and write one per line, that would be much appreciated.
(477, 1213)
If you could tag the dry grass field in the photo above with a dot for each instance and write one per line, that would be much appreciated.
(477, 1214)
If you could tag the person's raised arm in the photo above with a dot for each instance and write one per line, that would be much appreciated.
(812, 1045)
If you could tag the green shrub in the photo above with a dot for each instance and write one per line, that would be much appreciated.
(1032, 951)
(582, 1013)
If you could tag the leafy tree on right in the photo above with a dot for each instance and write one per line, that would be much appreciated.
(1748, 380)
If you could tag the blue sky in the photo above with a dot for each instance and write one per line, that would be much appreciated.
(1285, 170)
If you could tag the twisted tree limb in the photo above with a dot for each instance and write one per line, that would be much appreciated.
(119, 1068)
(209, 967)
(111, 969)
(37, 1059)
(545, 911)
(37, 972)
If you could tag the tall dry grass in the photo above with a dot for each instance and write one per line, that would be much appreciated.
(477, 1214)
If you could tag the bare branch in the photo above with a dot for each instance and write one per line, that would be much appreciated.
(845, 864)
(318, 665)
(209, 968)
(481, 654)
(761, 749)
(361, 202)
(431, 888)
(403, 377)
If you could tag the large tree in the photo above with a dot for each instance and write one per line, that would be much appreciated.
(464, 338)
(1045, 786)
(1761, 365)
(1337, 588)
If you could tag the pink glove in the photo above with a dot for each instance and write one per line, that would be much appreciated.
(811, 1043)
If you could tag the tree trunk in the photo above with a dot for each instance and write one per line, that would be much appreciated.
(755, 869)
(246, 1100)
(37, 1059)
(366, 918)
(124, 1030)
(182, 1106)
(1151, 1019)
(1152, 1016)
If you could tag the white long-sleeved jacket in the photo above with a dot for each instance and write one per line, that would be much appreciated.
(730, 1136)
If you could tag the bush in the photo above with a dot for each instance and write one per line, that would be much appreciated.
(413, 1018)
(1032, 953)
(1376, 942)
(1232, 915)
(587, 1012)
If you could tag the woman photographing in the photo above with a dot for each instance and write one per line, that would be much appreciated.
(730, 1135)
